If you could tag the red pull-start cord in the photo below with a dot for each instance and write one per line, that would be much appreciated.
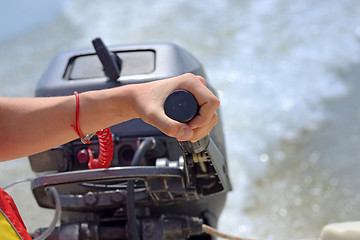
(105, 142)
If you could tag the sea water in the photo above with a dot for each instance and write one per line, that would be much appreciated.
(287, 77)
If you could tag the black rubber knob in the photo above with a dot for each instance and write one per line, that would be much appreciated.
(181, 106)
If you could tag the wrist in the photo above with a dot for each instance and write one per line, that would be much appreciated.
(124, 102)
(104, 108)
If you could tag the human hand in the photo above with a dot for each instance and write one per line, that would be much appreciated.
(148, 100)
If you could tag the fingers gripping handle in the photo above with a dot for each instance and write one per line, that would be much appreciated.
(182, 106)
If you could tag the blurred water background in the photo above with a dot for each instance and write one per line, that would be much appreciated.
(287, 74)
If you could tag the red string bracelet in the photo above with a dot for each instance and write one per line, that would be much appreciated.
(76, 127)
(105, 141)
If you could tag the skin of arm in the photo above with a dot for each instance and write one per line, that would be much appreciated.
(32, 125)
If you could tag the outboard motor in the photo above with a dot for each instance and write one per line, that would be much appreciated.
(156, 187)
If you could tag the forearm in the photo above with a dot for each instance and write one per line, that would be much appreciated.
(28, 126)
(36, 124)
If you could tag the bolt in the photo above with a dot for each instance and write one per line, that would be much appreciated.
(90, 198)
(117, 196)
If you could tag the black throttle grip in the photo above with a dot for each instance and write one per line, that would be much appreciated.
(182, 106)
